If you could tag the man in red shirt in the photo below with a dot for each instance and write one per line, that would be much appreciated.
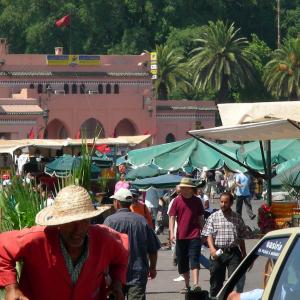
(66, 259)
(188, 210)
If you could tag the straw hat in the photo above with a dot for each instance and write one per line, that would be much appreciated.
(186, 182)
(72, 203)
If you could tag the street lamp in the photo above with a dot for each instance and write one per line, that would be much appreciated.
(46, 118)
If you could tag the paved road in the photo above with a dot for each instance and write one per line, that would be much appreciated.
(163, 287)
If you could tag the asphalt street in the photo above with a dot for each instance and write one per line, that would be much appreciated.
(163, 287)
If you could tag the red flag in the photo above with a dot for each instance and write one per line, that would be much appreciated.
(41, 133)
(103, 148)
(64, 21)
(31, 134)
(77, 136)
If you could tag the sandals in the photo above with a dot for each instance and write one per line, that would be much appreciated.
(195, 288)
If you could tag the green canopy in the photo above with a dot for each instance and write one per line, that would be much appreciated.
(288, 172)
(281, 151)
(64, 165)
(144, 172)
(189, 152)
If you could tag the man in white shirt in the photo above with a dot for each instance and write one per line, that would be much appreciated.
(152, 202)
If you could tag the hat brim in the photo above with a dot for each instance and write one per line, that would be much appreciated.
(187, 185)
(46, 217)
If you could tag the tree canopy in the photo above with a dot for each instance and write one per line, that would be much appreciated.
(132, 26)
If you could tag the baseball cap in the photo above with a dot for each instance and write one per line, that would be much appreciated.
(123, 195)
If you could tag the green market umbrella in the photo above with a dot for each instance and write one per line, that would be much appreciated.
(281, 151)
(177, 155)
(288, 173)
(163, 182)
(144, 172)
(64, 165)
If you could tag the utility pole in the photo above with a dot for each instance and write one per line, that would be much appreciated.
(278, 23)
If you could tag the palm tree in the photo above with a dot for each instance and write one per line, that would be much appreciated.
(221, 61)
(170, 71)
(282, 73)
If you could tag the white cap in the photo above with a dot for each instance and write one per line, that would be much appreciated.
(123, 195)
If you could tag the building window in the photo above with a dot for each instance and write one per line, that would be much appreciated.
(74, 88)
(82, 88)
(116, 89)
(100, 88)
(66, 88)
(170, 138)
(31, 86)
(40, 88)
(108, 88)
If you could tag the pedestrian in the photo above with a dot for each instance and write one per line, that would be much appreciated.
(152, 202)
(242, 192)
(188, 210)
(225, 231)
(66, 258)
(122, 183)
(139, 207)
(142, 241)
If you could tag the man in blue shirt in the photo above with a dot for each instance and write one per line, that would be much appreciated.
(242, 192)
(143, 244)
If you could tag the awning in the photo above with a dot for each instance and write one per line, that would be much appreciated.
(267, 130)
(9, 146)
(241, 113)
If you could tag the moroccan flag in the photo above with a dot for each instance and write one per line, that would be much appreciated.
(64, 21)
(31, 134)
(103, 148)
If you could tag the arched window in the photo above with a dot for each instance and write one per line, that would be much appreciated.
(66, 88)
(82, 88)
(40, 88)
(31, 86)
(108, 88)
(74, 88)
(100, 88)
(116, 89)
(170, 138)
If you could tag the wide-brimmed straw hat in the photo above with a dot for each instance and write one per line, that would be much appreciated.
(72, 203)
(186, 182)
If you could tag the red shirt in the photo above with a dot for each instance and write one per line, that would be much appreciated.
(187, 212)
(44, 273)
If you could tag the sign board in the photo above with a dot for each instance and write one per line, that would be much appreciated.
(272, 247)
(69, 60)
(153, 65)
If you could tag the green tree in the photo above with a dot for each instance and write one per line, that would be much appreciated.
(282, 72)
(221, 61)
(171, 70)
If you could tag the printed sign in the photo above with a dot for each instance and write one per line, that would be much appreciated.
(73, 59)
(272, 247)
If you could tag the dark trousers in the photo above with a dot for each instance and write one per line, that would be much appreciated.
(239, 205)
(135, 292)
(229, 260)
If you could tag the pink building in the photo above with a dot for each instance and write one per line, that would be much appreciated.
(68, 93)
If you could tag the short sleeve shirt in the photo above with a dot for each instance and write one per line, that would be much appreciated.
(226, 231)
(187, 212)
(244, 189)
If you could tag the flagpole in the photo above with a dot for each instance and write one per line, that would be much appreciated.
(70, 34)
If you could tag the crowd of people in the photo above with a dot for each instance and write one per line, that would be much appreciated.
(122, 253)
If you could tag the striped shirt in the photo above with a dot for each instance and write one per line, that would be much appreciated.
(226, 231)
(74, 270)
